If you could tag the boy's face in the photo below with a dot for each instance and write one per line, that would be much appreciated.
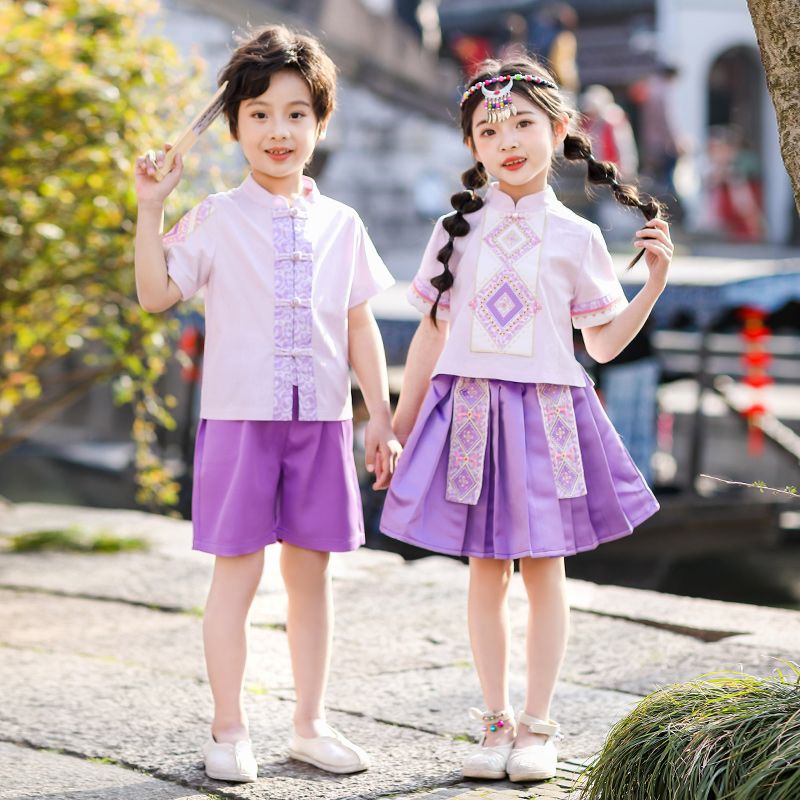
(277, 131)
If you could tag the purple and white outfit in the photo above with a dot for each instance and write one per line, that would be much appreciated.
(512, 454)
(274, 458)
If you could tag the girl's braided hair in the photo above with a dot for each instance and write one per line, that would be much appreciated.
(577, 147)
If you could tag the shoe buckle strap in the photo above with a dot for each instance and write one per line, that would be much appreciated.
(535, 725)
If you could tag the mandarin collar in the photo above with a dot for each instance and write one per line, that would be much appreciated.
(495, 198)
(252, 189)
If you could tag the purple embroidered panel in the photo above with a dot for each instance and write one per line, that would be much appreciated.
(504, 306)
(306, 388)
(468, 436)
(188, 223)
(561, 430)
(511, 239)
(293, 270)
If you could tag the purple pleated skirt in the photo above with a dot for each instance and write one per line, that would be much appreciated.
(521, 509)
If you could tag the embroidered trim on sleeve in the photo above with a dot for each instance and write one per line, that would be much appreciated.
(593, 308)
(428, 294)
(189, 223)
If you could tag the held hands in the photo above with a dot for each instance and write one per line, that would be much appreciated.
(381, 451)
(654, 238)
(148, 189)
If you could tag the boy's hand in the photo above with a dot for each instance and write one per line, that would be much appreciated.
(148, 188)
(381, 451)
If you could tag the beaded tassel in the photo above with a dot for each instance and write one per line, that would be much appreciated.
(499, 105)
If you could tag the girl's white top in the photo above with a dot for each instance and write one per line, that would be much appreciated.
(525, 275)
(279, 282)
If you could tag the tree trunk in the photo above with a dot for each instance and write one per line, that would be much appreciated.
(777, 25)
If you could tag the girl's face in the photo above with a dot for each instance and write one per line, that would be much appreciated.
(518, 151)
(277, 132)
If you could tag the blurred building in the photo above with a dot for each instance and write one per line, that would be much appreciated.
(719, 93)
(721, 84)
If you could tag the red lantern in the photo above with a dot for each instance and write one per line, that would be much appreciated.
(756, 360)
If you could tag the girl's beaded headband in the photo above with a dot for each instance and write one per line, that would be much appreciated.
(498, 101)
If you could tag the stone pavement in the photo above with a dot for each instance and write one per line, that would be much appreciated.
(104, 693)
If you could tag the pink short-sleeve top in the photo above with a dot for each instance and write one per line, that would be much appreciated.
(279, 280)
(524, 276)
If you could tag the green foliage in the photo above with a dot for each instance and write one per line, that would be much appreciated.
(73, 540)
(84, 92)
(726, 737)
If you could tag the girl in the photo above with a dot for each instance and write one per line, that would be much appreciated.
(287, 274)
(509, 453)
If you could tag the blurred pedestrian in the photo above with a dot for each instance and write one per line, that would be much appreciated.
(607, 125)
(551, 36)
(470, 49)
(658, 139)
(732, 185)
(629, 390)
(516, 42)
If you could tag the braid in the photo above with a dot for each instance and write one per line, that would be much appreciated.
(577, 147)
(466, 202)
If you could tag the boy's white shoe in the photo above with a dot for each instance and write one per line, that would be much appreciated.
(226, 761)
(333, 753)
(489, 762)
(535, 762)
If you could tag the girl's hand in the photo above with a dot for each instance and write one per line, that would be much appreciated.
(654, 238)
(150, 190)
(381, 451)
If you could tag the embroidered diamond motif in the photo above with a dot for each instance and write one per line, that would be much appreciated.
(504, 305)
(463, 481)
(471, 391)
(567, 478)
(469, 436)
(560, 434)
(511, 239)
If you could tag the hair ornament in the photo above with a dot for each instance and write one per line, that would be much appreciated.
(498, 103)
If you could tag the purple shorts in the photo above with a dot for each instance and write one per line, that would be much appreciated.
(258, 481)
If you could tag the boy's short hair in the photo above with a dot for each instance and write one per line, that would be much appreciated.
(268, 50)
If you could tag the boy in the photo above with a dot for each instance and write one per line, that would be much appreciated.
(287, 273)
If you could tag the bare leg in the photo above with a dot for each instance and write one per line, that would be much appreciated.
(489, 580)
(309, 627)
(225, 627)
(548, 628)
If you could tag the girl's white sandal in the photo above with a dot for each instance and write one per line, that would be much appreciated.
(489, 762)
(535, 762)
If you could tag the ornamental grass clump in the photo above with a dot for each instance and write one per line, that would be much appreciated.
(726, 737)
